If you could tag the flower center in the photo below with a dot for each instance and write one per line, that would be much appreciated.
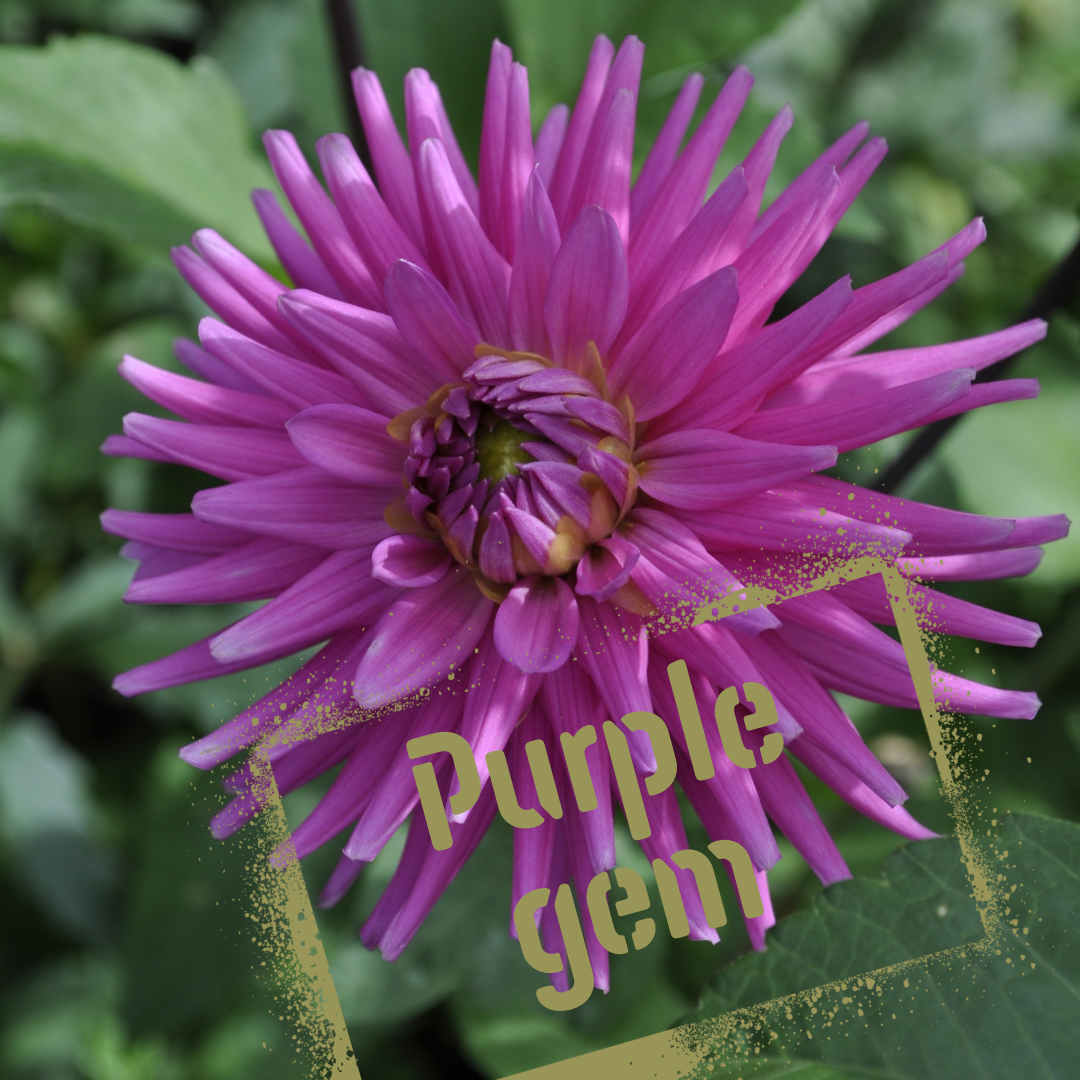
(519, 468)
(498, 447)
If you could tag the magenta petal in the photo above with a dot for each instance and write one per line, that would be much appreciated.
(422, 637)
(665, 149)
(180, 532)
(203, 402)
(305, 505)
(549, 141)
(535, 251)
(605, 568)
(570, 702)
(349, 443)
(290, 380)
(276, 707)
(193, 663)
(439, 869)
(536, 626)
(604, 177)
(688, 260)
(231, 453)
(588, 290)
(425, 118)
(338, 593)
(614, 648)
(409, 561)
(378, 237)
(518, 161)
(365, 347)
(749, 371)
(477, 276)
(428, 320)
(580, 127)
(935, 530)
(305, 268)
(321, 220)
(790, 807)
(396, 792)
(679, 196)
(854, 792)
(493, 140)
(254, 571)
(701, 469)
(667, 357)
(881, 370)
(499, 695)
(981, 566)
(391, 159)
(678, 575)
(861, 419)
(772, 262)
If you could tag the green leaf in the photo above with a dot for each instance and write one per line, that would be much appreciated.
(1005, 1013)
(123, 138)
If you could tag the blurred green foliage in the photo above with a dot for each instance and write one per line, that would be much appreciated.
(125, 125)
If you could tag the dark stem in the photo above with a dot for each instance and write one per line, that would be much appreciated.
(1057, 290)
(349, 53)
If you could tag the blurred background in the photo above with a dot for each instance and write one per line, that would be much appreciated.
(127, 124)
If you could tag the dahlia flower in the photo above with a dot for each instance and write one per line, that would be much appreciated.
(501, 438)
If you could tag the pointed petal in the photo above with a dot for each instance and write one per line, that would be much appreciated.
(587, 291)
(289, 380)
(202, 402)
(665, 149)
(178, 532)
(666, 358)
(428, 320)
(305, 505)
(366, 347)
(321, 220)
(424, 635)
(324, 669)
(614, 648)
(339, 593)
(477, 276)
(680, 195)
(549, 142)
(860, 419)
(580, 126)
(392, 165)
(305, 268)
(255, 571)
(535, 251)
(702, 469)
(231, 453)
(378, 237)
(426, 118)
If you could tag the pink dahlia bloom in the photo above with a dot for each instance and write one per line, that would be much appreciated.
(502, 434)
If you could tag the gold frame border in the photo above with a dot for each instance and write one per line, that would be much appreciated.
(300, 961)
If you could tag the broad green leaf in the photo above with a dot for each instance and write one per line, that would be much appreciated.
(125, 139)
(1006, 1013)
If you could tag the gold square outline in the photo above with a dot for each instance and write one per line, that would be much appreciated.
(666, 1054)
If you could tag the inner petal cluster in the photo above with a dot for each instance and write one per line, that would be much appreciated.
(519, 468)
